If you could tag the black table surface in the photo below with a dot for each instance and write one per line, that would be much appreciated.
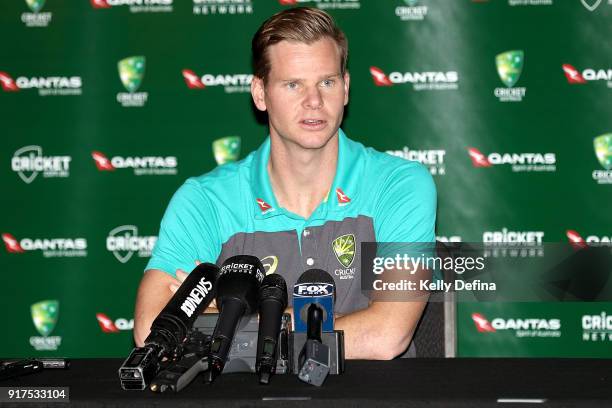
(403, 382)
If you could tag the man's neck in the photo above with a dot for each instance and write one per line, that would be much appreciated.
(301, 178)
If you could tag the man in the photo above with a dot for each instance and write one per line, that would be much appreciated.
(306, 198)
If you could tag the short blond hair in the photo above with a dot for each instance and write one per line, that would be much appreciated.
(301, 24)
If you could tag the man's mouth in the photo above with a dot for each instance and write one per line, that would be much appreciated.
(313, 123)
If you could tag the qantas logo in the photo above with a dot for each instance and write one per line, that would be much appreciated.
(588, 75)
(99, 4)
(47, 86)
(109, 326)
(50, 247)
(12, 246)
(263, 206)
(136, 6)
(8, 84)
(232, 83)
(102, 162)
(324, 4)
(343, 199)
(142, 165)
(572, 74)
(379, 77)
(576, 240)
(531, 327)
(520, 162)
(192, 80)
(106, 324)
(482, 324)
(429, 80)
(478, 159)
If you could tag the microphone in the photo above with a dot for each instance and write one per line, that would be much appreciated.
(272, 304)
(315, 356)
(237, 287)
(314, 286)
(170, 328)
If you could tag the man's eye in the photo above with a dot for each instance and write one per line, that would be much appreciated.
(292, 85)
(328, 83)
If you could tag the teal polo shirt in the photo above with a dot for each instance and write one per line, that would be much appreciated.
(232, 210)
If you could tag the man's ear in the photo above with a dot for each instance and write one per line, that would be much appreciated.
(347, 82)
(258, 93)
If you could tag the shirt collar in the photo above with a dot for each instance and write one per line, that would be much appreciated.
(341, 195)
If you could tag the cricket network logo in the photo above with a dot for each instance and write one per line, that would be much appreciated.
(530, 327)
(36, 18)
(29, 161)
(344, 249)
(597, 327)
(506, 243)
(47, 85)
(50, 247)
(432, 159)
(226, 149)
(603, 152)
(231, 83)
(142, 165)
(509, 68)
(124, 241)
(131, 73)
(324, 4)
(411, 11)
(520, 162)
(136, 6)
(45, 315)
(109, 326)
(587, 75)
(421, 81)
(222, 7)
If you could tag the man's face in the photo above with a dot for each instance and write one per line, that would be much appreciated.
(305, 93)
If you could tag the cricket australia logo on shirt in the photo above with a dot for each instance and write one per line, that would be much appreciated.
(270, 263)
(344, 249)
(131, 73)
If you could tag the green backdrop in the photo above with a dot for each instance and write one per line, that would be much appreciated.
(430, 80)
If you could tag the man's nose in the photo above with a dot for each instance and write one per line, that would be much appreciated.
(313, 99)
